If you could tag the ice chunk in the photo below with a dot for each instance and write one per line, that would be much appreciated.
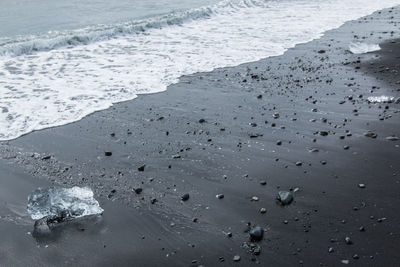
(381, 99)
(361, 48)
(60, 202)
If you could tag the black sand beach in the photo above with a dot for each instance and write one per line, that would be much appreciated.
(297, 122)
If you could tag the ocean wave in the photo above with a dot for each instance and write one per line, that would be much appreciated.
(56, 39)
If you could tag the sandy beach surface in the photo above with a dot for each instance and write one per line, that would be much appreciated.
(300, 122)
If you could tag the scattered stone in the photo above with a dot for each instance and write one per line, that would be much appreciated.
(254, 198)
(285, 197)
(345, 261)
(202, 121)
(323, 133)
(257, 233)
(370, 134)
(263, 182)
(275, 115)
(236, 258)
(263, 210)
(361, 186)
(348, 240)
(252, 248)
(141, 168)
(346, 147)
(331, 250)
(177, 156)
(185, 197)
(356, 257)
(381, 219)
(392, 138)
(41, 227)
(257, 250)
(220, 196)
(361, 229)
(299, 163)
(108, 154)
(255, 135)
(321, 51)
(279, 142)
(46, 157)
(138, 190)
(112, 193)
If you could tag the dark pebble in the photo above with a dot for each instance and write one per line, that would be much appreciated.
(257, 233)
(185, 197)
(138, 190)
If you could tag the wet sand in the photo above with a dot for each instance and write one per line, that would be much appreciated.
(215, 133)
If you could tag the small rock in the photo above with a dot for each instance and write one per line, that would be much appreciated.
(263, 182)
(279, 142)
(285, 197)
(257, 233)
(141, 168)
(254, 198)
(202, 121)
(370, 134)
(236, 258)
(345, 261)
(392, 138)
(275, 115)
(257, 250)
(220, 196)
(185, 197)
(41, 227)
(263, 210)
(356, 257)
(323, 133)
(348, 240)
(299, 163)
(138, 190)
(361, 185)
(330, 250)
(321, 51)
(108, 154)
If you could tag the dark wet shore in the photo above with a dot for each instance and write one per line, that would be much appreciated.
(296, 122)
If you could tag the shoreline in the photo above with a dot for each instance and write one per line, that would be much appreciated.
(190, 143)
